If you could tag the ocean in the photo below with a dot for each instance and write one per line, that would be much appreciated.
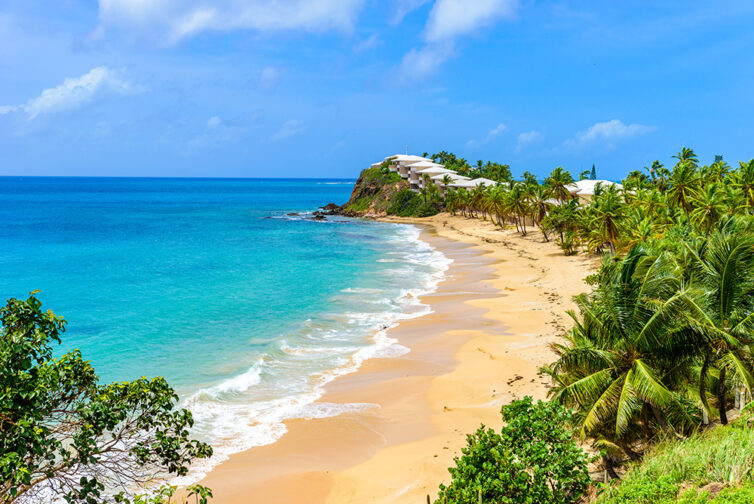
(248, 311)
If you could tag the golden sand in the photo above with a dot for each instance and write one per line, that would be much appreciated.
(504, 300)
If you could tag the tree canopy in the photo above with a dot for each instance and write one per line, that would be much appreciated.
(63, 433)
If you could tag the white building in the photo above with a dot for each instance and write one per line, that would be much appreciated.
(585, 189)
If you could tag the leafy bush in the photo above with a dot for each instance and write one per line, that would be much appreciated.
(427, 210)
(405, 203)
(534, 459)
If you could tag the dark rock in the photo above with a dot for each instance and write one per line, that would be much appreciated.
(331, 207)
(292, 214)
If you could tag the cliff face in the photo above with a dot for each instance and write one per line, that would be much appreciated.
(372, 193)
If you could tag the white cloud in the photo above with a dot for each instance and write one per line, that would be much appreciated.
(270, 77)
(74, 92)
(419, 63)
(452, 18)
(404, 7)
(449, 20)
(172, 21)
(494, 132)
(289, 129)
(608, 133)
(527, 138)
(213, 122)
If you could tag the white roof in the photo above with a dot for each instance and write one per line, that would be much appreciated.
(433, 170)
(485, 181)
(453, 176)
(424, 164)
(406, 157)
(586, 187)
(376, 164)
(462, 183)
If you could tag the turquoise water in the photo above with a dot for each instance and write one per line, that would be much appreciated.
(246, 310)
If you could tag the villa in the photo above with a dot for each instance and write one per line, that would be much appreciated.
(413, 168)
(585, 189)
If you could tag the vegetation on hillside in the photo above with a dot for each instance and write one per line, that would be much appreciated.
(62, 433)
(713, 466)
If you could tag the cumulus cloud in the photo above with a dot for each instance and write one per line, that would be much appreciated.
(289, 129)
(213, 122)
(609, 133)
(404, 7)
(419, 63)
(448, 21)
(494, 132)
(74, 92)
(453, 18)
(527, 138)
(173, 21)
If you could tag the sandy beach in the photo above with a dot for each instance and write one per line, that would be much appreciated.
(503, 301)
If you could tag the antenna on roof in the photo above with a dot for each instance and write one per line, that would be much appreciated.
(407, 150)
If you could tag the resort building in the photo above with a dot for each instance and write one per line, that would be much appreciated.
(584, 189)
(413, 168)
(400, 163)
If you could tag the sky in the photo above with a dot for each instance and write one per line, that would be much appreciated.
(323, 88)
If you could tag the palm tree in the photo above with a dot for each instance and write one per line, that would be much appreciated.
(683, 185)
(721, 313)
(710, 206)
(607, 212)
(744, 181)
(615, 365)
(541, 206)
(557, 182)
(686, 156)
(517, 206)
(497, 199)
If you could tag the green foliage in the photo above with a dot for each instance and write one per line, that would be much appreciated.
(381, 174)
(723, 455)
(195, 494)
(405, 203)
(532, 460)
(60, 428)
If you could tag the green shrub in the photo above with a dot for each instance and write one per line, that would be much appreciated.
(382, 175)
(534, 459)
(405, 203)
(427, 210)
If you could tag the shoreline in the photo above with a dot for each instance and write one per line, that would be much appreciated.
(493, 316)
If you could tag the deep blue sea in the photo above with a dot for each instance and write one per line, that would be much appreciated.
(246, 310)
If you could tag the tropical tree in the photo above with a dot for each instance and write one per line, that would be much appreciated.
(684, 182)
(64, 433)
(615, 366)
(721, 313)
(540, 206)
(606, 213)
(710, 205)
(743, 180)
(557, 183)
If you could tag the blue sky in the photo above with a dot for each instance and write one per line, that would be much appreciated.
(322, 88)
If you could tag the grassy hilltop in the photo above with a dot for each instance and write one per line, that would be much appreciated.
(379, 192)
